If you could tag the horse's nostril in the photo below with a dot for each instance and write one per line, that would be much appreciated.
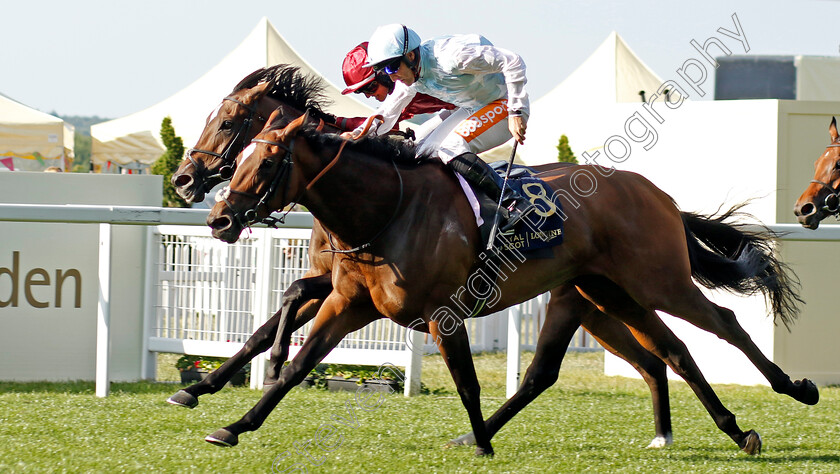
(221, 223)
(181, 180)
(805, 210)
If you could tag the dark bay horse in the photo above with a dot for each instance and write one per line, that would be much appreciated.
(239, 117)
(231, 126)
(822, 197)
(427, 244)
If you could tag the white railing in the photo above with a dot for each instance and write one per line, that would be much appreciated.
(177, 329)
(208, 300)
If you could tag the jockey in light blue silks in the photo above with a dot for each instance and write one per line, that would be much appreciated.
(485, 82)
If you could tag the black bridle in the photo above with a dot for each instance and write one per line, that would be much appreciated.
(228, 156)
(284, 171)
(281, 176)
(831, 203)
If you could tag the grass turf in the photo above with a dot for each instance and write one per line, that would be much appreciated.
(585, 422)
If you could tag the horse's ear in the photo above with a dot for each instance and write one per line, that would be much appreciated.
(832, 129)
(262, 88)
(278, 112)
(293, 127)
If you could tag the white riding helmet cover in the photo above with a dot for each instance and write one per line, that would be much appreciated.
(391, 41)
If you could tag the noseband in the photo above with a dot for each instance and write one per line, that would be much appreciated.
(228, 156)
(284, 171)
(831, 203)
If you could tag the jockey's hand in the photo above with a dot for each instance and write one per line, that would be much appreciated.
(517, 126)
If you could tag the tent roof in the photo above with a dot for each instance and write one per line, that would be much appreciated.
(136, 137)
(612, 74)
(26, 133)
(13, 112)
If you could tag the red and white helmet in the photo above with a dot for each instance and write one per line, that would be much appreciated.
(356, 73)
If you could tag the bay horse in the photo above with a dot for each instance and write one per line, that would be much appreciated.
(822, 196)
(426, 244)
(239, 117)
(231, 126)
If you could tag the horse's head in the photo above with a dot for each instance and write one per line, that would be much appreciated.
(265, 180)
(239, 117)
(820, 198)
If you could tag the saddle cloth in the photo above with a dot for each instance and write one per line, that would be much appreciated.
(541, 228)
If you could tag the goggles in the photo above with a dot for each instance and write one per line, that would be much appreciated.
(369, 88)
(390, 66)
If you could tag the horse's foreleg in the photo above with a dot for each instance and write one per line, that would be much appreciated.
(562, 320)
(615, 337)
(657, 338)
(301, 291)
(298, 293)
(333, 322)
(455, 349)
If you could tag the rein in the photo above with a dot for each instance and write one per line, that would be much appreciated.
(228, 157)
(334, 249)
(833, 196)
(245, 219)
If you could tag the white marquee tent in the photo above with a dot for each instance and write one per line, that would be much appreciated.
(31, 140)
(612, 74)
(136, 137)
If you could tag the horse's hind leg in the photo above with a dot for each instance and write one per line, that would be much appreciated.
(298, 293)
(617, 338)
(704, 314)
(655, 336)
(566, 310)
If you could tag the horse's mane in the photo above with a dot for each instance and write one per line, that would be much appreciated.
(290, 86)
(384, 148)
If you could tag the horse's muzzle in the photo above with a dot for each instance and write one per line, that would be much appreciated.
(224, 227)
(808, 215)
(187, 187)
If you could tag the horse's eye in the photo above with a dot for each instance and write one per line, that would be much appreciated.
(837, 165)
(267, 164)
(226, 125)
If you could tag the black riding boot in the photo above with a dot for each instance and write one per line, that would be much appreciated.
(479, 174)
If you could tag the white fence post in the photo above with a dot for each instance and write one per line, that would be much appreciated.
(415, 363)
(148, 359)
(103, 317)
(514, 317)
(262, 299)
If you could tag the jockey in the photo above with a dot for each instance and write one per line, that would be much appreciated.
(486, 83)
(361, 79)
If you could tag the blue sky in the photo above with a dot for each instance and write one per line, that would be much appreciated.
(112, 58)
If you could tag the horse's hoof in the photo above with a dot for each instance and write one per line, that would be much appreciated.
(463, 440)
(752, 443)
(183, 399)
(223, 437)
(808, 393)
(484, 452)
(661, 441)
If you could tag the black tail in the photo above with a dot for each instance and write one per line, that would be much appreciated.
(728, 256)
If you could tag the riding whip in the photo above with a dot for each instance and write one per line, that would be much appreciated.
(497, 216)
